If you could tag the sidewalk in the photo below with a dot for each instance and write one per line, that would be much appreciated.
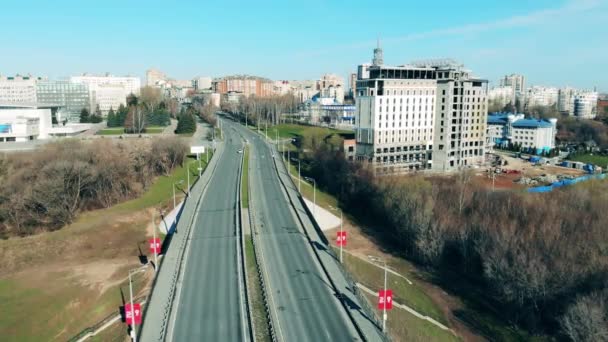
(169, 221)
(324, 218)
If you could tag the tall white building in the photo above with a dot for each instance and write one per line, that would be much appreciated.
(515, 81)
(202, 83)
(395, 111)
(18, 89)
(585, 105)
(565, 100)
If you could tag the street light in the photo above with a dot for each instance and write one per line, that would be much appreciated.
(384, 316)
(174, 184)
(314, 196)
(133, 325)
(154, 237)
(299, 178)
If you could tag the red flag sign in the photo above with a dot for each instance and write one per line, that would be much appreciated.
(385, 299)
(341, 238)
(129, 314)
(155, 246)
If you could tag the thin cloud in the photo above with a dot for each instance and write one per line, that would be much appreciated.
(533, 18)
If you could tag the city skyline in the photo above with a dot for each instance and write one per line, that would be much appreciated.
(548, 42)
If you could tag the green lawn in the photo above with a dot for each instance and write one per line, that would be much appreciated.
(255, 293)
(595, 159)
(162, 191)
(411, 295)
(245, 180)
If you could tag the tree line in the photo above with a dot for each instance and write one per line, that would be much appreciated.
(541, 259)
(261, 109)
(45, 190)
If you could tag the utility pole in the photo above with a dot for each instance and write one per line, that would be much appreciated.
(188, 176)
(154, 236)
(134, 332)
(342, 229)
(384, 316)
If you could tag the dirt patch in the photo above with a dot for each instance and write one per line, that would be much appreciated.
(101, 275)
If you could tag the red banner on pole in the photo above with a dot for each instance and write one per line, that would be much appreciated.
(341, 238)
(385, 299)
(129, 314)
(155, 246)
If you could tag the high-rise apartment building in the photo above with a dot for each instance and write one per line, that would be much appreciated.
(541, 96)
(18, 88)
(428, 115)
(585, 105)
(502, 95)
(353, 84)
(515, 81)
(70, 97)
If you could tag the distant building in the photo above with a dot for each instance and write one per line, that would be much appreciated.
(505, 129)
(585, 105)
(331, 85)
(244, 84)
(107, 96)
(72, 98)
(154, 77)
(602, 106)
(18, 88)
(353, 84)
(515, 81)
(202, 83)
(350, 146)
(502, 95)
(541, 96)
(565, 100)
(131, 84)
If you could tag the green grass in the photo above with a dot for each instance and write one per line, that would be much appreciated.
(161, 191)
(245, 180)
(255, 293)
(595, 159)
(403, 326)
(294, 130)
(411, 295)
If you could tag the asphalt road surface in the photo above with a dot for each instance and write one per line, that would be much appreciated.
(209, 305)
(302, 298)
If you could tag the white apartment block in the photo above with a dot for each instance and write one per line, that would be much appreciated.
(585, 105)
(517, 82)
(460, 119)
(107, 96)
(131, 84)
(395, 118)
(536, 136)
(502, 95)
(565, 100)
(541, 96)
(18, 89)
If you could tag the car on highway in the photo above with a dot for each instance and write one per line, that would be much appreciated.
(239, 151)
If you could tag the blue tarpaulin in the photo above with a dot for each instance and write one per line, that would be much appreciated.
(565, 182)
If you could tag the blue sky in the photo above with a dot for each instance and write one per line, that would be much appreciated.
(559, 42)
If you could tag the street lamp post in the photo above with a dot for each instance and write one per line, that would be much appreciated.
(154, 237)
(174, 184)
(384, 316)
(314, 196)
(188, 177)
(200, 167)
(134, 332)
(341, 228)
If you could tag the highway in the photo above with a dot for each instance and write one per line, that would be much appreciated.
(302, 299)
(209, 305)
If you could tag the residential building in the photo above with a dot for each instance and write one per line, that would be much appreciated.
(395, 116)
(515, 81)
(541, 96)
(353, 84)
(460, 116)
(602, 106)
(585, 105)
(18, 88)
(244, 84)
(154, 77)
(565, 100)
(70, 97)
(202, 83)
(350, 146)
(506, 129)
(131, 84)
(502, 95)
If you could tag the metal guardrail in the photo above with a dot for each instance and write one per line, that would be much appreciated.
(260, 266)
(240, 236)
